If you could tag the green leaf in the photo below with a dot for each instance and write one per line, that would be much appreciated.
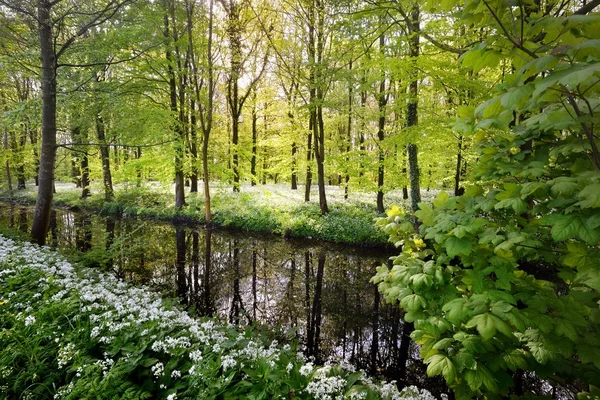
(515, 98)
(590, 196)
(441, 200)
(413, 302)
(487, 325)
(458, 246)
(440, 364)
(455, 310)
(425, 214)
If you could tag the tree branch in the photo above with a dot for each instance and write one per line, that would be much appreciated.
(587, 8)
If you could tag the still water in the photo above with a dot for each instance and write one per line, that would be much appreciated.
(321, 290)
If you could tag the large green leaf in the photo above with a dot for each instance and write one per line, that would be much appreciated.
(440, 364)
(487, 324)
(458, 246)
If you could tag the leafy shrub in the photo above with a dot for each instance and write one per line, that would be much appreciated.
(504, 281)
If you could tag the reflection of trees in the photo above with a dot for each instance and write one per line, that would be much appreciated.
(83, 231)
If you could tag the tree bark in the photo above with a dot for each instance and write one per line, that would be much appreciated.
(254, 142)
(179, 131)
(41, 216)
(412, 118)
(294, 171)
(382, 102)
(105, 157)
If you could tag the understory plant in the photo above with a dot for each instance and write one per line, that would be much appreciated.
(503, 283)
(68, 332)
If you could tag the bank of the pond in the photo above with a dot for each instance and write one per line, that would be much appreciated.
(274, 209)
(70, 332)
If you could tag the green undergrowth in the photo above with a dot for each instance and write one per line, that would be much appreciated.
(259, 211)
(68, 332)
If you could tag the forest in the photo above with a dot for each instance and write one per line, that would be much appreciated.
(462, 131)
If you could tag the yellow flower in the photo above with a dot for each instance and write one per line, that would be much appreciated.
(419, 244)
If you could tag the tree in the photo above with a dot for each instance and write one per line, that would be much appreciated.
(55, 40)
(238, 20)
(500, 281)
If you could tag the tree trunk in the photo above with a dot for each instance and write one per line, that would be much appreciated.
(105, 157)
(320, 156)
(294, 171)
(319, 127)
(309, 150)
(254, 140)
(179, 132)
(9, 179)
(193, 147)
(382, 102)
(41, 217)
(349, 133)
(458, 167)
(412, 114)
(21, 159)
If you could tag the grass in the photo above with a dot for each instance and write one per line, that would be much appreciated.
(264, 208)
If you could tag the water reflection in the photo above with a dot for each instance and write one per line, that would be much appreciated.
(320, 290)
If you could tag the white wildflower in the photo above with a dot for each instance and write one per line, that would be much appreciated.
(306, 369)
(29, 320)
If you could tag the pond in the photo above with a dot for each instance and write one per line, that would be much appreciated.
(320, 290)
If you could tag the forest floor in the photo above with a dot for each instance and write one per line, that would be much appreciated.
(264, 208)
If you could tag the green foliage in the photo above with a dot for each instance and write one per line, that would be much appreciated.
(505, 278)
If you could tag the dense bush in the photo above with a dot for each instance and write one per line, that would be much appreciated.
(503, 282)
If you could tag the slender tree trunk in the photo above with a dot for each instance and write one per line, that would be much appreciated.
(21, 160)
(309, 151)
(319, 126)
(193, 147)
(85, 175)
(7, 168)
(254, 141)
(412, 118)
(320, 156)
(105, 157)
(458, 167)
(36, 156)
(41, 217)
(294, 169)
(363, 127)
(179, 132)
(382, 102)
(349, 132)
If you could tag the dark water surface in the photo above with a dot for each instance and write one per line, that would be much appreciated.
(320, 289)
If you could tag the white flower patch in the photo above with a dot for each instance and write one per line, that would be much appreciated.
(228, 362)
(327, 388)
(29, 320)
